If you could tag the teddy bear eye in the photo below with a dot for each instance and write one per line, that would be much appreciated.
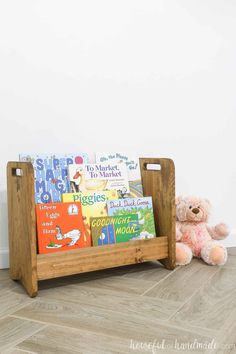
(190, 207)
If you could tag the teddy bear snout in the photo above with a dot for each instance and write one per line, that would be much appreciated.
(195, 210)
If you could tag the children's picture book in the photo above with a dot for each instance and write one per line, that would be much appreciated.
(133, 170)
(142, 207)
(93, 204)
(50, 173)
(60, 227)
(98, 177)
(114, 229)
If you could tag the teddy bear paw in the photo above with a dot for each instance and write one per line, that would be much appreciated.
(214, 254)
(184, 254)
(178, 235)
(222, 230)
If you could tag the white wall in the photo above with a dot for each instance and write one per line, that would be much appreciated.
(157, 77)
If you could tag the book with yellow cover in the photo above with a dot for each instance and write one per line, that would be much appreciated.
(94, 204)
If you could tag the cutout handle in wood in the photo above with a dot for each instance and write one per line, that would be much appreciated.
(152, 167)
(17, 172)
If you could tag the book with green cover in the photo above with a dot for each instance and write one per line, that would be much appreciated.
(141, 206)
(114, 229)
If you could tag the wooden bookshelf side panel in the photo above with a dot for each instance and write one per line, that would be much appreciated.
(65, 263)
(22, 225)
(158, 179)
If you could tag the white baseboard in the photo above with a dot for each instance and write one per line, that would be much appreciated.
(4, 258)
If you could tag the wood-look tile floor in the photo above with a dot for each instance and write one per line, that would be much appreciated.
(134, 309)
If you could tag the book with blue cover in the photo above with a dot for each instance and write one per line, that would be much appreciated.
(142, 207)
(51, 174)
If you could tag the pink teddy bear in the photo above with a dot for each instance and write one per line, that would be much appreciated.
(194, 236)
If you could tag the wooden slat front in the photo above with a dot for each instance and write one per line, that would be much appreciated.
(64, 263)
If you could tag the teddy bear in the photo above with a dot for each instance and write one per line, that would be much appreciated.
(194, 236)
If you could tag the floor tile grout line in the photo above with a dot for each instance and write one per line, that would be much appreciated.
(9, 351)
(18, 308)
(193, 294)
(46, 324)
(41, 322)
(23, 338)
(157, 283)
(111, 290)
(51, 300)
(193, 327)
(230, 267)
(4, 317)
(50, 324)
(26, 351)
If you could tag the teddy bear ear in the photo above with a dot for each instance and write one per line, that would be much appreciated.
(207, 205)
(178, 200)
(207, 201)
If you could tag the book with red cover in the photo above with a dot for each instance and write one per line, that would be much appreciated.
(60, 227)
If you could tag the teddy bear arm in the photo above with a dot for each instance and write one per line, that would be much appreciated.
(218, 232)
(178, 231)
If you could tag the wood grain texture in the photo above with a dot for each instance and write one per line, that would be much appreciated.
(120, 284)
(56, 340)
(22, 225)
(214, 305)
(99, 314)
(28, 267)
(12, 299)
(106, 323)
(18, 351)
(4, 274)
(160, 184)
(231, 262)
(14, 331)
(182, 284)
(151, 271)
(111, 299)
(92, 258)
(225, 342)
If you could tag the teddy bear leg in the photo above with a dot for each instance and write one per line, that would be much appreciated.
(184, 254)
(214, 254)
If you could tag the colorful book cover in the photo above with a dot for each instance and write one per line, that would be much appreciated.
(97, 177)
(60, 227)
(133, 170)
(141, 206)
(51, 174)
(114, 229)
(93, 204)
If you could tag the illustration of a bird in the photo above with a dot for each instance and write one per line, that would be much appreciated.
(81, 184)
